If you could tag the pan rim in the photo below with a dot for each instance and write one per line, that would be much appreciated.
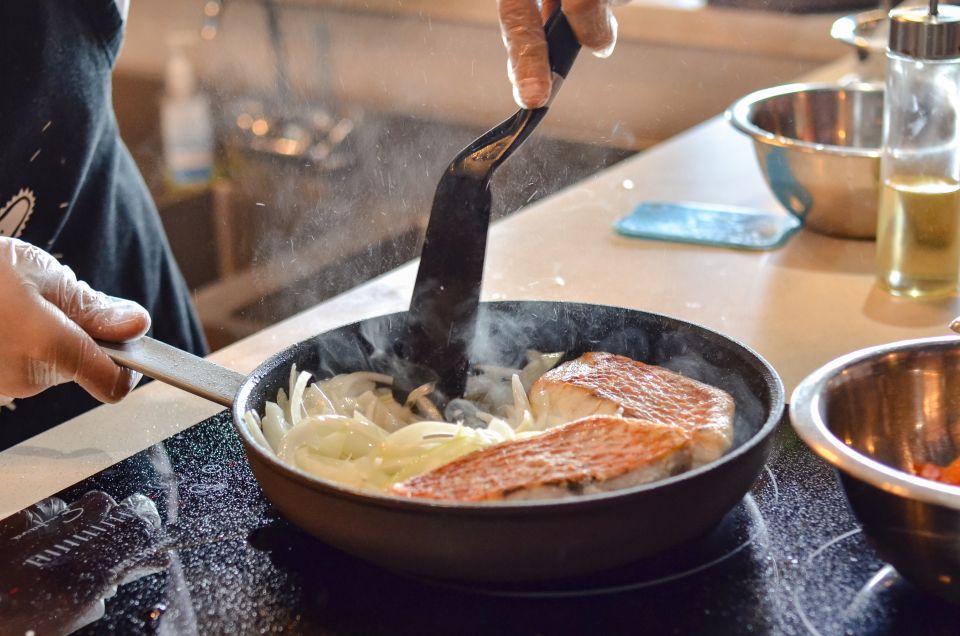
(773, 383)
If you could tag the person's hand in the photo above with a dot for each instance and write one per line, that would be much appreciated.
(48, 320)
(522, 26)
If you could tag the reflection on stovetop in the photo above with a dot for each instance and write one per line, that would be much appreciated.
(179, 539)
(742, 534)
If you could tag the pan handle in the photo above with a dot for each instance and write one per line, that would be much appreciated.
(176, 367)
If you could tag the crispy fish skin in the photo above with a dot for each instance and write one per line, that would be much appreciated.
(592, 454)
(605, 383)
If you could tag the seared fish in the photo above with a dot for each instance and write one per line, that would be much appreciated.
(588, 455)
(604, 383)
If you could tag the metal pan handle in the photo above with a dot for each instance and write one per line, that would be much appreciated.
(176, 367)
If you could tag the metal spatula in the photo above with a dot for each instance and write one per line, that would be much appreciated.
(443, 308)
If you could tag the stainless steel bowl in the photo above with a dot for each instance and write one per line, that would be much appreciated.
(876, 413)
(819, 149)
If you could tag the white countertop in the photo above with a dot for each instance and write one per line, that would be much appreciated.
(798, 306)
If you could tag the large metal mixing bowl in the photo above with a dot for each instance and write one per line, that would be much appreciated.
(819, 149)
(876, 413)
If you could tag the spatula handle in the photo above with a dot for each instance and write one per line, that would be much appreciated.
(561, 42)
(443, 309)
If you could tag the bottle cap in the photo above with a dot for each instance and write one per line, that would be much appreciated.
(926, 33)
(180, 79)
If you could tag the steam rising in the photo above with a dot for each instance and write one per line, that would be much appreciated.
(506, 331)
(370, 217)
(311, 227)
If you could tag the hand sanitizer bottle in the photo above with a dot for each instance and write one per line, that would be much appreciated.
(185, 125)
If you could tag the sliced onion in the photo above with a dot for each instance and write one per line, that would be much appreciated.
(418, 393)
(361, 436)
(253, 425)
(520, 402)
(275, 425)
(297, 410)
(350, 428)
(316, 402)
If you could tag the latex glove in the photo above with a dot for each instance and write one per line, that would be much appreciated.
(522, 26)
(48, 320)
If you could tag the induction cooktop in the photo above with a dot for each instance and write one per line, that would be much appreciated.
(180, 539)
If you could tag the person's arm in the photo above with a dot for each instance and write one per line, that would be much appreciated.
(521, 23)
(48, 322)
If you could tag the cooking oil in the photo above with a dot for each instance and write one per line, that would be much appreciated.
(918, 236)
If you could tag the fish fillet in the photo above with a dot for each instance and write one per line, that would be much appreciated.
(592, 454)
(604, 383)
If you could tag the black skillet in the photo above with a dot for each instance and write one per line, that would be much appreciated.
(511, 540)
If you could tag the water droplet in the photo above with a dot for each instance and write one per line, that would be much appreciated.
(157, 611)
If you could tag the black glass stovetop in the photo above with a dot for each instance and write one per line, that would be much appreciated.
(179, 539)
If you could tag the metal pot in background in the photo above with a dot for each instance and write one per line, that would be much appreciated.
(867, 33)
(794, 6)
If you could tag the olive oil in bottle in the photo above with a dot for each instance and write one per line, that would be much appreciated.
(918, 221)
(918, 236)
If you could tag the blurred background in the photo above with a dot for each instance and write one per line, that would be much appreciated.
(293, 146)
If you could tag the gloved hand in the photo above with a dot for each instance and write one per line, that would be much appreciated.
(522, 26)
(48, 320)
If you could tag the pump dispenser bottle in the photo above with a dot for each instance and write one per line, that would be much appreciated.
(918, 234)
(185, 125)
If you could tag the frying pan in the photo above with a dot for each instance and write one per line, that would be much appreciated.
(523, 540)
(446, 329)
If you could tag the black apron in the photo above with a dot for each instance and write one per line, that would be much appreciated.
(69, 185)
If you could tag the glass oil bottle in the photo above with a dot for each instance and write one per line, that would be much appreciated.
(918, 232)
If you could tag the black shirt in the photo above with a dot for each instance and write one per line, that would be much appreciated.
(69, 185)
